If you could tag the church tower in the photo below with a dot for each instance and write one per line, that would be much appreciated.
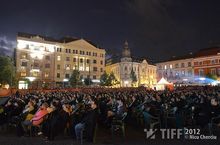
(126, 53)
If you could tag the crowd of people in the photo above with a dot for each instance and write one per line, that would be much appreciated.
(50, 113)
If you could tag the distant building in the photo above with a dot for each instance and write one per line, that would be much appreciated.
(46, 60)
(207, 61)
(192, 67)
(145, 73)
(176, 70)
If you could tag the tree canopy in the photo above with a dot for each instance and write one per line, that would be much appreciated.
(7, 70)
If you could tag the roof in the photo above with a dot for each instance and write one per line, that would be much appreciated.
(207, 52)
(174, 58)
(65, 39)
(163, 82)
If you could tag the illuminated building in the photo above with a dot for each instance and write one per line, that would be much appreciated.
(145, 73)
(176, 70)
(189, 69)
(207, 61)
(46, 60)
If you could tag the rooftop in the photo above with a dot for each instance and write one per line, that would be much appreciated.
(65, 39)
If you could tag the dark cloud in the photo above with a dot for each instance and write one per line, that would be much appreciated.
(7, 46)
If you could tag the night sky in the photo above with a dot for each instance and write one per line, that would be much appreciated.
(155, 29)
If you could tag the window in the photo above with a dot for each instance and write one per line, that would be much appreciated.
(59, 49)
(67, 76)
(87, 61)
(74, 59)
(171, 66)
(58, 67)
(36, 64)
(24, 56)
(126, 68)
(94, 77)
(101, 69)
(69, 50)
(67, 67)
(200, 63)
(74, 51)
(58, 58)
(176, 65)
(81, 52)
(213, 71)
(81, 60)
(58, 75)
(213, 61)
(47, 65)
(47, 57)
(189, 64)
(218, 71)
(94, 68)
(67, 58)
(23, 63)
(201, 72)
(46, 75)
(66, 50)
(23, 74)
(182, 64)
(94, 61)
(101, 62)
(165, 67)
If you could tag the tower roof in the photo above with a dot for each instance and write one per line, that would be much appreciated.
(126, 51)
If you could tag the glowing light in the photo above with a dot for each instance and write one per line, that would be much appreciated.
(35, 70)
(185, 79)
(201, 79)
(65, 80)
(31, 78)
(21, 44)
(96, 81)
(126, 82)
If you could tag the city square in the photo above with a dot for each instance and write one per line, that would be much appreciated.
(109, 72)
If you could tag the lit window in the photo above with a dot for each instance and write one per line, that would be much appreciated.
(46, 75)
(165, 67)
(58, 58)
(171, 66)
(23, 74)
(67, 66)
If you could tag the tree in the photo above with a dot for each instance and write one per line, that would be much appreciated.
(88, 81)
(112, 79)
(7, 71)
(104, 79)
(75, 78)
(211, 76)
(133, 77)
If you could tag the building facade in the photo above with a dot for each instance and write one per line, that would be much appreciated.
(193, 68)
(207, 61)
(176, 70)
(46, 60)
(145, 73)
